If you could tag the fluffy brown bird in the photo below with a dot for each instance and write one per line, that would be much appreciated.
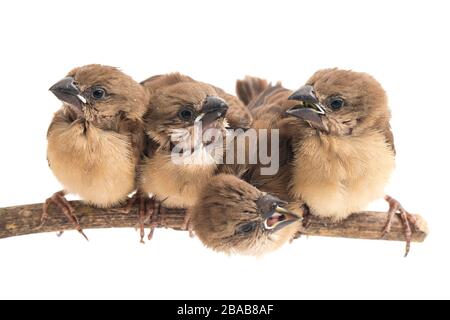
(343, 145)
(336, 145)
(181, 110)
(95, 141)
(268, 110)
(236, 218)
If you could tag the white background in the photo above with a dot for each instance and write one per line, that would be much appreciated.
(404, 44)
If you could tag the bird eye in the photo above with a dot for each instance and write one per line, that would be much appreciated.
(186, 114)
(246, 228)
(98, 93)
(336, 103)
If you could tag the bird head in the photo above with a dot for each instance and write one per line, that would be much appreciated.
(235, 217)
(341, 102)
(177, 109)
(101, 94)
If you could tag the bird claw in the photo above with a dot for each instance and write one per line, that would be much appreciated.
(307, 215)
(130, 202)
(187, 225)
(67, 209)
(148, 209)
(409, 221)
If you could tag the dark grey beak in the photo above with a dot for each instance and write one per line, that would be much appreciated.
(274, 215)
(305, 94)
(213, 108)
(310, 108)
(67, 91)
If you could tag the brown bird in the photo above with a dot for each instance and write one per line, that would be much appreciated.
(177, 105)
(339, 156)
(95, 141)
(343, 145)
(268, 109)
(236, 218)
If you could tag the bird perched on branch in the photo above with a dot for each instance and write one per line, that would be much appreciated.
(236, 218)
(184, 157)
(340, 140)
(179, 107)
(95, 141)
(268, 109)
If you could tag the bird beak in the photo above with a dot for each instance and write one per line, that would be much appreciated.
(275, 216)
(213, 108)
(66, 91)
(310, 109)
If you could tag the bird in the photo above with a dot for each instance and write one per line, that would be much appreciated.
(234, 217)
(343, 145)
(268, 108)
(337, 148)
(96, 140)
(180, 112)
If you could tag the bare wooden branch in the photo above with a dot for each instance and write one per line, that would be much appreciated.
(24, 220)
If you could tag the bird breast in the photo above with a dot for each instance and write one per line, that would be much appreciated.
(97, 165)
(178, 185)
(337, 176)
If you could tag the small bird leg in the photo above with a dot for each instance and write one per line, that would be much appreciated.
(147, 208)
(129, 205)
(408, 220)
(153, 207)
(142, 212)
(61, 202)
(187, 225)
(307, 215)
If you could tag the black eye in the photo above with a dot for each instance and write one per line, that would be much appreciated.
(186, 114)
(246, 228)
(336, 103)
(98, 93)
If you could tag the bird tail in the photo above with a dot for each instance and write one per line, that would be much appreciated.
(249, 88)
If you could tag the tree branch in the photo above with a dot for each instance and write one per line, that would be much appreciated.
(24, 220)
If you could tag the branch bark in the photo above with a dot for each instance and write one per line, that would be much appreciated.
(26, 219)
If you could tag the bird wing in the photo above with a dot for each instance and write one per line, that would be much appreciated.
(250, 88)
(389, 137)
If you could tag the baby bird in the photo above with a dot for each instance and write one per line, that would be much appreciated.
(236, 218)
(180, 113)
(343, 145)
(95, 141)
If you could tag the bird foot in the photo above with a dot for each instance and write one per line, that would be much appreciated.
(307, 215)
(409, 221)
(130, 202)
(148, 210)
(67, 209)
(187, 225)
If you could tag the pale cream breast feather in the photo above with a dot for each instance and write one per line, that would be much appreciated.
(177, 185)
(339, 175)
(97, 165)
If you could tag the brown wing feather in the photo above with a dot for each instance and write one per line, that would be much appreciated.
(249, 88)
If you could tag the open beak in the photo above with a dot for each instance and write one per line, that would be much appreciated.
(275, 216)
(66, 91)
(310, 109)
(213, 108)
